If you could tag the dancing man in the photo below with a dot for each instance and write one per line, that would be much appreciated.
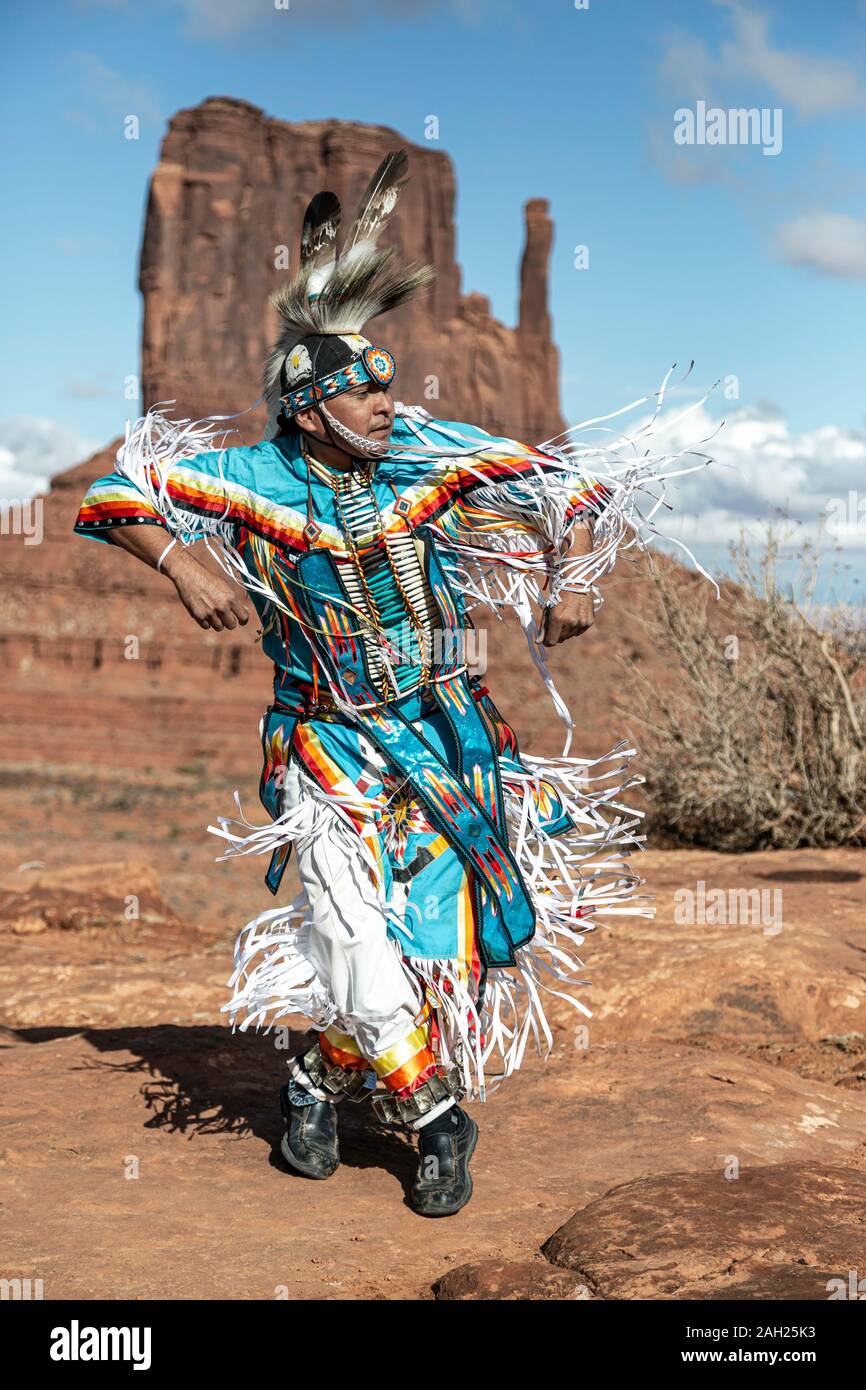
(446, 878)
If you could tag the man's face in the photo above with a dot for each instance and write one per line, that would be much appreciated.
(367, 409)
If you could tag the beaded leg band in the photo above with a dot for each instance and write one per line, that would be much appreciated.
(437, 1093)
(325, 1080)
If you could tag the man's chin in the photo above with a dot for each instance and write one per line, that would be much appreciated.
(378, 441)
(376, 444)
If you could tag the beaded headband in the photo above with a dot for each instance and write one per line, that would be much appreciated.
(373, 364)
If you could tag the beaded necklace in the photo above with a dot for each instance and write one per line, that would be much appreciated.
(341, 484)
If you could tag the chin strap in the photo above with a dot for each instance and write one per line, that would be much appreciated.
(367, 448)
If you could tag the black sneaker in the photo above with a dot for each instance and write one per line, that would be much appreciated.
(443, 1183)
(310, 1144)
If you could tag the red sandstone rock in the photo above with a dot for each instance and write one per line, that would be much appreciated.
(118, 895)
(785, 1231)
(532, 1282)
(230, 190)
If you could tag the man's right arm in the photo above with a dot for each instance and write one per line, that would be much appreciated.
(199, 496)
(212, 601)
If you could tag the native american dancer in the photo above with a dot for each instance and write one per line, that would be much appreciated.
(447, 878)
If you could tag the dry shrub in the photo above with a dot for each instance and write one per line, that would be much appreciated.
(761, 740)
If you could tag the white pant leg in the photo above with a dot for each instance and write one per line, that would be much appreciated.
(353, 954)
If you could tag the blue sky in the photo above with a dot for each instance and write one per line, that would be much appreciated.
(752, 264)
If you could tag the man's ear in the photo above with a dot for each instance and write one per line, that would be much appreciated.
(305, 419)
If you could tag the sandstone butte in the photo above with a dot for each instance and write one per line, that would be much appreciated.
(226, 204)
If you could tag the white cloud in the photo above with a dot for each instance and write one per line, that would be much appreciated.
(90, 243)
(692, 164)
(831, 242)
(32, 450)
(231, 18)
(687, 67)
(748, 70)
(114, 93)
(761, 471)
(93, 388)
(809, 83)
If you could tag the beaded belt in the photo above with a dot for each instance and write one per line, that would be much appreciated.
(325, 707)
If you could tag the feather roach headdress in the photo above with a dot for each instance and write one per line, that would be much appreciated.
(320, 350)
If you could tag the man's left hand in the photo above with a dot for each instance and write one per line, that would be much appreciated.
(574, 612)
(571, 616)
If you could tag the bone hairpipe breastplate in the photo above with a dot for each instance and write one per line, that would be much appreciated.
(379, 579)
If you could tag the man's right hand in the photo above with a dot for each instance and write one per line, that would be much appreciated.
(211, 600)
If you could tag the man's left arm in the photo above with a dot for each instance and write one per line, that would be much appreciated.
(574, 612)
(513, 510)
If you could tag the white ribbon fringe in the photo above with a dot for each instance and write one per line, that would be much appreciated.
(572, 878)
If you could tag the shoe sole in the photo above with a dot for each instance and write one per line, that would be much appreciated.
(452, 1211)
(298, 1166)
